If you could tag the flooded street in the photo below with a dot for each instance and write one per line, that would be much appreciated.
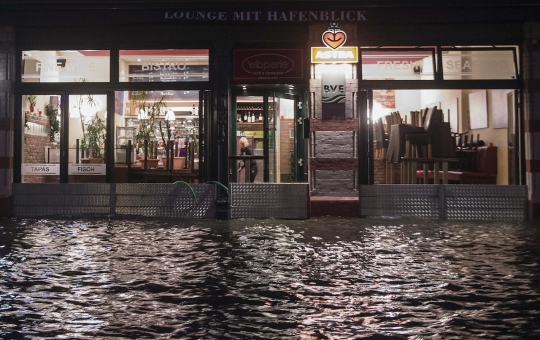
(327, 278)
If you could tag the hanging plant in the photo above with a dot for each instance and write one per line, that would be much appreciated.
(52, 113)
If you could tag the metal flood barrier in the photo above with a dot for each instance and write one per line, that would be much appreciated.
(270, 200)
(160, 200)
(450, 202)
(266, 200)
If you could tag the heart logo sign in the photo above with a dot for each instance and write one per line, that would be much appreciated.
(334, 37)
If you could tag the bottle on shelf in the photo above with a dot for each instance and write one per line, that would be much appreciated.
(253, 117)
(245, 117)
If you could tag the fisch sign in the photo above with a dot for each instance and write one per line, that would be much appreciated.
(268, 65)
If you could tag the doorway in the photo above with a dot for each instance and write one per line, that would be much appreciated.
(267, 121)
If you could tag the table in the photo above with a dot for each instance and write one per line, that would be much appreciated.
(409, 171)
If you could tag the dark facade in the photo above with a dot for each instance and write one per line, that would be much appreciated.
(233, 32)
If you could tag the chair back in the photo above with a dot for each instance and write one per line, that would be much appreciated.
(388, 120)
(396, 118)
(379, 135)
(432, 116)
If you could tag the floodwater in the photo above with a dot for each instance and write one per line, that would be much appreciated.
(327, 278)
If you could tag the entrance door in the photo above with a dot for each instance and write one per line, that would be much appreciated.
(267, 123)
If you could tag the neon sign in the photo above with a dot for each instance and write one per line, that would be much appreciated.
(334, 38)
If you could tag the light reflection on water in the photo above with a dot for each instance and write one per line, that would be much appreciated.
(324, 278)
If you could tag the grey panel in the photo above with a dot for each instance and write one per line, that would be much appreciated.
(138, 199)
(453, 202)
(166, 200)
(269, 200)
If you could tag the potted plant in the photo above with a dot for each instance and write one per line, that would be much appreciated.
(148, 116)
(54, 123)
(94, 138)
(31, 101)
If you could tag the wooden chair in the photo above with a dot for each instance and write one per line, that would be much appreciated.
(396, 118)
(380, 139)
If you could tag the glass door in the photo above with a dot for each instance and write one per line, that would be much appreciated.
(40, 138)
(264, 131)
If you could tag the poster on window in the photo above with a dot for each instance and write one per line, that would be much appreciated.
(387, 98)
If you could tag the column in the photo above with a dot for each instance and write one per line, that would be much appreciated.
(7, 67)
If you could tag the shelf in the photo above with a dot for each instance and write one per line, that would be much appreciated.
(249, 126)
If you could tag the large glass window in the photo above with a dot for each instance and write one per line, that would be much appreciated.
(479, 63)
(397, 63)
(65, 66)
(157, 124)
(479, 117)
(163, 65)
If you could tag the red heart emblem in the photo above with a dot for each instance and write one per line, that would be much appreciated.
(334, 39)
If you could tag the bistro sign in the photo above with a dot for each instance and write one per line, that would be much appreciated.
(268, 16)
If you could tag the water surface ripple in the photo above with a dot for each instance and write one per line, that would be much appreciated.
(327, 278)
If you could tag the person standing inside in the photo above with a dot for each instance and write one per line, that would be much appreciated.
(247, 150)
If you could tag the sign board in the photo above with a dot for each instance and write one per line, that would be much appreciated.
(263, 65)
(46, 169)
(86, 169)
(345, 55)
(333, 94)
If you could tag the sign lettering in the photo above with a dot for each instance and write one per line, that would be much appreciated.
(268, 16)
(40, 169)
(79, 169)
(328, 55)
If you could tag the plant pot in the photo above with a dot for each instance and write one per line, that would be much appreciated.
(97, 160)
(152, 163)
(31, 109)
(85, 160)
(179, 162)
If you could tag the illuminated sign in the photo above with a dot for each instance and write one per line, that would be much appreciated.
(334, 38)
(328, 55)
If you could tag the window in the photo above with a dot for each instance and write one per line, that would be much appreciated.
(65, 66)
(479, 63)
(163, 65)
(397, 63)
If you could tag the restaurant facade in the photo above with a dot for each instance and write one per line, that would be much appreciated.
(128, 93)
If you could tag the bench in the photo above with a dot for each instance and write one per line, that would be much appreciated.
(483, 172)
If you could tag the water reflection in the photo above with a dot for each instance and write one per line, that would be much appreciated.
(317, 279)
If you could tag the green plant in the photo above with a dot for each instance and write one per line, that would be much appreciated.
(147, 125)
(52, 113)
(96, 134)
(31, 100)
